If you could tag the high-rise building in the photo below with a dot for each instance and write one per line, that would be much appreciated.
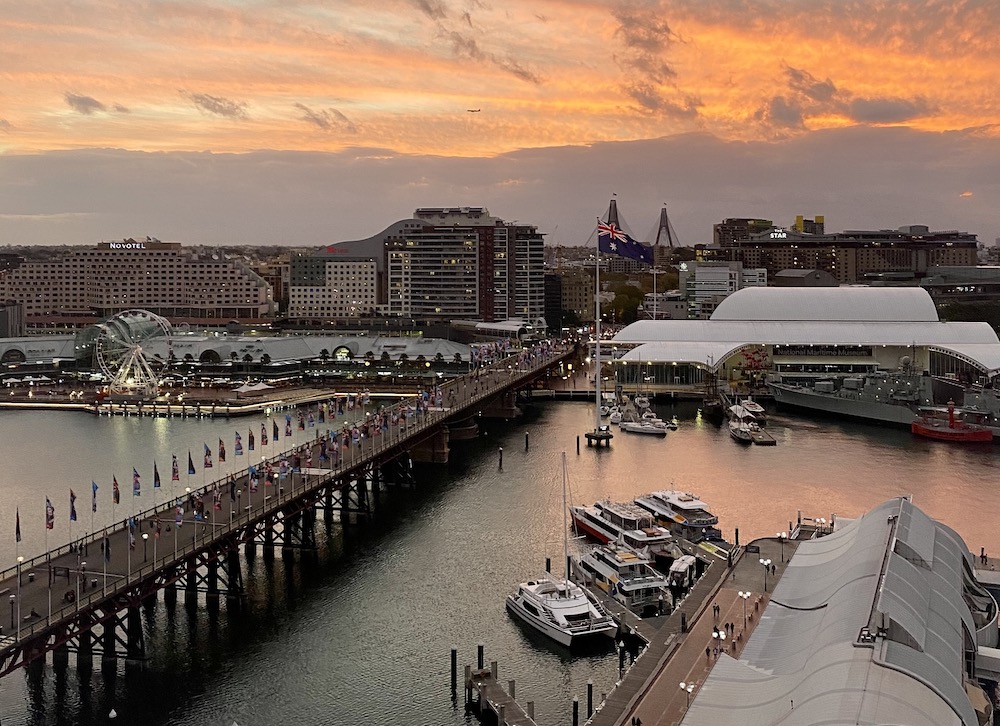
(444, 263)
(94, 283)
(735, 229)
(706, 284)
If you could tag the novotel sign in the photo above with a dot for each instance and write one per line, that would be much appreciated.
(127, 245)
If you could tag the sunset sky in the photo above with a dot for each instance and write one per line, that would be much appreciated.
(290, 122)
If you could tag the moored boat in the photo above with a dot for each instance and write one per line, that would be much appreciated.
(741, 431)
(562, 610)
(622, 522)
(643, 427)
(626, 575)
(683, 513)
(958, 427)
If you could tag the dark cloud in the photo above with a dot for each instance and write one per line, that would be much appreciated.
(327, 119)
(118, 108)
(887, 110)
(86, 105)
(782, 113)
(434, 9)
(806, 84)
(466, 46)
(862, 177)
(646, 38)
(218, 105)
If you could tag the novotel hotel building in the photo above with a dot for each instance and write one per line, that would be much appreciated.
(94, 283)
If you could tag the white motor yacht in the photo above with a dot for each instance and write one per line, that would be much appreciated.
(684, 513)
(626, 575)
(644, 427)
(561, 609)
(624, 523)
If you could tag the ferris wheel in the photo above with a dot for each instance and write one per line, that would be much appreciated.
(122, 347)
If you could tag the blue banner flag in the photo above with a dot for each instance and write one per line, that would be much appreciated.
(275, 433)
(136, 489)
(208, 457)
(615, 241)
(239, 444)
(17, 524)
(50, 514)
(116, 494)
(72, 506)
(93, 496)
(156, 477)
(190, 463)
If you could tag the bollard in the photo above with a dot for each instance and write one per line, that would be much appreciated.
(590, 698)
(576, 711)
(480, 656)
(454, 671)
(468, 685)
(578, 445)
(548, 564)
(501, 457)
(737, 536)
(501, 718)
(510, 688)
(525, 440)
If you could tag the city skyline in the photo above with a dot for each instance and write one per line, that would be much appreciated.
(298, 124)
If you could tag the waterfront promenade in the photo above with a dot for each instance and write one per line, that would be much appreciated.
(58, 596)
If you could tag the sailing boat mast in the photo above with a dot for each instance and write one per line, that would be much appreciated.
(565, 476)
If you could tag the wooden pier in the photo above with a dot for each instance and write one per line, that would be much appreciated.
(762, 438)
(483, 692)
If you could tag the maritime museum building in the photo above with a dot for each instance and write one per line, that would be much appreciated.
(802, 335)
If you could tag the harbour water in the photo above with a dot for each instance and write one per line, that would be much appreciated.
(361, 634)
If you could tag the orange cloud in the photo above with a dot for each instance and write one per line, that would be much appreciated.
(187, 75)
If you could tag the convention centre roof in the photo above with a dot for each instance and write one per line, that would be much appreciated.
(866, 626)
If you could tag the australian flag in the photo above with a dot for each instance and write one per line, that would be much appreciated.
(613, 240)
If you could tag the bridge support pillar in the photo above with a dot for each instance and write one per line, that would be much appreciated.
(135, 638)
(433, 450)
(60, 658)
(109, 657)
(170, 596)
(234, 576)
(85, 653)
(213, 581)
(328, 504)
(268, 540)
(191, 589)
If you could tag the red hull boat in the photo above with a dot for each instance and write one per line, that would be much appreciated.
(950, 429)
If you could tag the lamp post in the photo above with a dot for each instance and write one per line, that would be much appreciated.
(20, 560)
(145, 538)
(767, 566)
(822, 523)
(745, 596)
(720, 637)
(687, 688)
(13, 599)
(621, 658)
(782, 536)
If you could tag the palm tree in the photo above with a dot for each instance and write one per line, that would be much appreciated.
(385, 356)
(265, 359)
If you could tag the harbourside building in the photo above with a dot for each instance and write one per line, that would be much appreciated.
(882, 621)
(851, 256)
(802, 335)
(444, 263)
(90, 284)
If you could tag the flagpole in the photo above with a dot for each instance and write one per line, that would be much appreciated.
(597, 323)
(48, 558)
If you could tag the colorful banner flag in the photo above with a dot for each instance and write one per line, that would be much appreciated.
(116, 495)
(288, 425)
(93, 496)
(136, 488)
(190, 463)
(208, 457)
(50, 514)
(222, 451)
(72, 506)
(263, 435)
(17, 524)
(239, 444)
(175, 470)
(156, 477)
(274, 431)
(250, 446)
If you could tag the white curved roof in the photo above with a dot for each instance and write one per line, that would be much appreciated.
(806, 649)
(888, 304)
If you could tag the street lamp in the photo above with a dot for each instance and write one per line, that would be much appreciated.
(687, 688)
(13, 599)
(782, 536)
(621, 658)
(745, 596)
(145, 538)
(767, 566)
(822, 523)
(20, 560)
